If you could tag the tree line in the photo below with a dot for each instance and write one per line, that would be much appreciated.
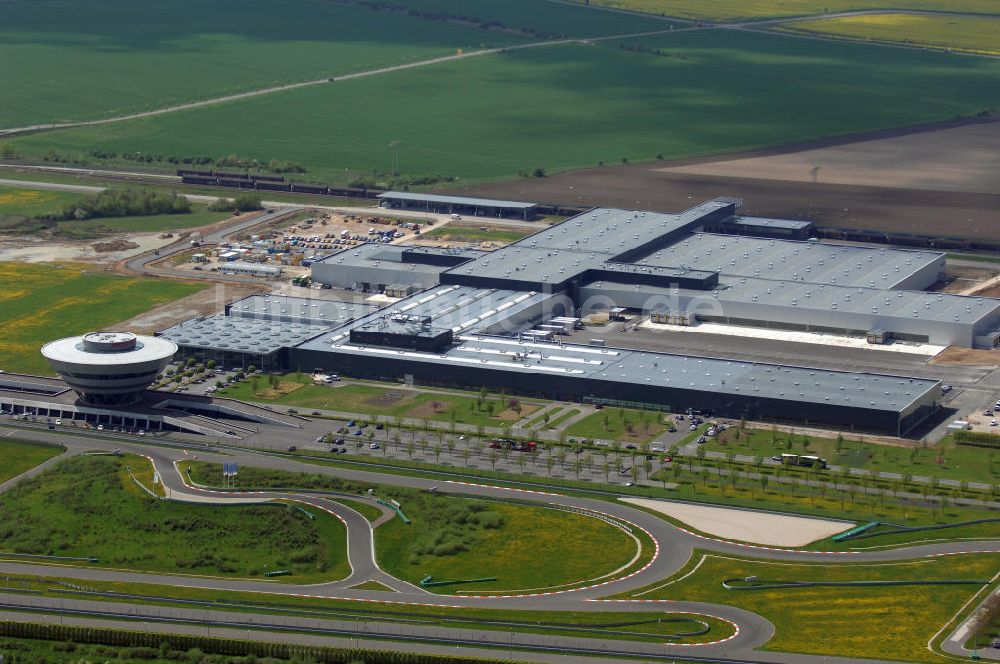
(123, 203)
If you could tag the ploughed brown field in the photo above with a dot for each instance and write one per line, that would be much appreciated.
(941, 182)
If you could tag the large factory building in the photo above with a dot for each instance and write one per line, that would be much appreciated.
(473, 318)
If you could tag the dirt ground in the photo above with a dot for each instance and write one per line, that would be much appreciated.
(968, 280)
(967, 357)
(955, 159)
(36, 250)
(912, 206)
(203, 303)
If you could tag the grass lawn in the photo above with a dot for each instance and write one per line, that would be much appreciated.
(624, 424)
(944, 460)
(40, 302)
(373, 585)
(711, 92)
(960, 33)
(89, 506)
(22, 202)
(533, 549)
(877, 622)
(388, 402)
(463, 233)
(554, 423)
(733, 9)
(199, 216)
(17, 457)
(455, 538)
(367, 510)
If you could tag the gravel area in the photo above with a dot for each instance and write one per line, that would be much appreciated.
(746, 525)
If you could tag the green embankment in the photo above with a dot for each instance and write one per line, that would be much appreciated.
(88, 506)
(17, 457)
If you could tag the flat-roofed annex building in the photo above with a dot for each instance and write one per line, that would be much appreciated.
(476, 207)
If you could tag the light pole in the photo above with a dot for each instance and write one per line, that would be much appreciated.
(394, 146)
(815, 180)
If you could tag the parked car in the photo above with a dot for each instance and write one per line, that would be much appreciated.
(375, 446)
(292, 448)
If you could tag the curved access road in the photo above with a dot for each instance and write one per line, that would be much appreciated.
(674, 547)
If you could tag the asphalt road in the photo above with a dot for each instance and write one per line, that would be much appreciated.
(675, 547)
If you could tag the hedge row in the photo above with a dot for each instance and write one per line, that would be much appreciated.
(111, 636)
(977, 438)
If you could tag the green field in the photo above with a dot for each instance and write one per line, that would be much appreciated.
(455, 538)
(735, 9)
(20, 206)
(624, 424)
(386, 402)
(67, 61)
(710, 92)
(46, 301)
(944, 460)
(17, 457)
(22, 202)
(878, 622)
(154, 223)
(89, 506)
(464, 233)
(959, 33)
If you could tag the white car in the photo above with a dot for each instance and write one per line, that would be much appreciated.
(993, 423)
(374, 446)
(100, 427)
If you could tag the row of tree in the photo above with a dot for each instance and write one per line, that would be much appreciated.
(246, 202)
(222, 646)
(123, 203)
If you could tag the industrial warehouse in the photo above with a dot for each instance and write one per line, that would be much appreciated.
(472, 318)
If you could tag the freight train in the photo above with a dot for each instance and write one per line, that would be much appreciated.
(278, 183)
(908, 240)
